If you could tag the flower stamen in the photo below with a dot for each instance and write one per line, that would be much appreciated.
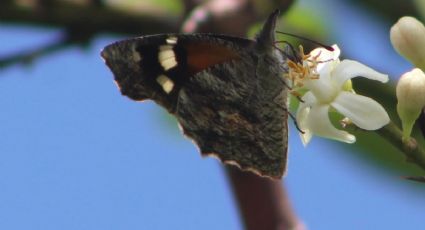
(305, 69)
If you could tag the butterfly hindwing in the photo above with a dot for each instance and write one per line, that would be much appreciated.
(231, 115)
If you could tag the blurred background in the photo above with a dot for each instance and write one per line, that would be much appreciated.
(75, 154)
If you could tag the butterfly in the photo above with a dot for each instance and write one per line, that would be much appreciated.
(227, 93)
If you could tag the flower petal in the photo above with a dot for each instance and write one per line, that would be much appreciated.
(348, 69)
(318, 122)
(362, 111)
(326, 55)
(301, 116)
(323, 88)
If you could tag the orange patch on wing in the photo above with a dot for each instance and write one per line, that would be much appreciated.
(203, 55)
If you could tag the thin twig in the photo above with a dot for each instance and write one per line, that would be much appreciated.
(30, 56)
(69, 38)
(420, 179)
(414, 152)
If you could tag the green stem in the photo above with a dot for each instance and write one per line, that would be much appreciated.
(410, 148)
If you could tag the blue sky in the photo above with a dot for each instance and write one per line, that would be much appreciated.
(75, 154)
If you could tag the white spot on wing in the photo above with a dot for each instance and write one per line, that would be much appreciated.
(167, 57)
(136, 55)
(171, 40)
(166, 83)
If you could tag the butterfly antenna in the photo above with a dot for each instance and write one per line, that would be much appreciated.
(305, 39)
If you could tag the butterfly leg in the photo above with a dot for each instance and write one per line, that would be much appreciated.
(292, 117)
(278, 101)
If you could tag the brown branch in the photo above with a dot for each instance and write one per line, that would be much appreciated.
(263, 202)
(92, 17)
(81, 22)
(414, 152)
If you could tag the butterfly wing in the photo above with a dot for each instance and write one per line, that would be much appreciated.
(211, 84)
(232, 115)
(157, 66)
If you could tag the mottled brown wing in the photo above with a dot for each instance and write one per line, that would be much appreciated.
(237, 116)
(220, 93)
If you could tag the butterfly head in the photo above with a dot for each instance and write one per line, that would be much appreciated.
(266, 37)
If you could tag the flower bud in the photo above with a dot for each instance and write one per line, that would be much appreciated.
(411, 99)
(408, 38)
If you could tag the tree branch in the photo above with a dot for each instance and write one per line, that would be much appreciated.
(81, 22)
(90, 18)
(29, 56)
(263, 202)
(414, 152)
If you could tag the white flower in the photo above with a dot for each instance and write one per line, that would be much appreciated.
(325, 78)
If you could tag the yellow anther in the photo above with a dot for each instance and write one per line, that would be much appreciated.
(303, 70)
